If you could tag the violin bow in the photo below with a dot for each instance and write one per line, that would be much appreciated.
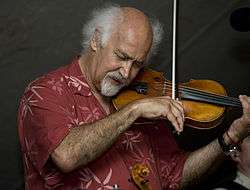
(174, 50)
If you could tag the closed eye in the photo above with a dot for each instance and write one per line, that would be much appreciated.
(124, 57)
(121, 57)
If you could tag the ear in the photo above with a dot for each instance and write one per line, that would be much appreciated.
(95, 42)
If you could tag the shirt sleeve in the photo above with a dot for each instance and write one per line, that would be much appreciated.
(170, 158)
(46, 121)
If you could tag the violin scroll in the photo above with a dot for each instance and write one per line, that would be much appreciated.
(139, 175)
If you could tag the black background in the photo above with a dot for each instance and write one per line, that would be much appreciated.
(37, 36)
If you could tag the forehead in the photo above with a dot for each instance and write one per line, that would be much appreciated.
(133, 42)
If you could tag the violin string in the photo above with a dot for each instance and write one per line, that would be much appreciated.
(200, 91)
(202, 94)
(212, 99)
(215, 100)
(209, 96)
(196, 90)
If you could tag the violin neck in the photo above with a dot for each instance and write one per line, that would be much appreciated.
(202, 96)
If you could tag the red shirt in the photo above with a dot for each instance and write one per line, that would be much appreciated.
(55, 103)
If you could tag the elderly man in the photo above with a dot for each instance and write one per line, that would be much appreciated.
(71, 138)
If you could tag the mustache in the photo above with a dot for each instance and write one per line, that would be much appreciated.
(117, 76)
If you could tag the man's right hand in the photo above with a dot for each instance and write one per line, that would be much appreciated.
(162, 107)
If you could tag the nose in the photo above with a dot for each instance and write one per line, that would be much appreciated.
(125, 69)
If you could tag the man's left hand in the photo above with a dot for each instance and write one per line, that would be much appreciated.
(240, 128)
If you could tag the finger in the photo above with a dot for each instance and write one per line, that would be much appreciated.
(174, 114)
(173, 120)
(176, 103)
(179, 105)
(245, 103)
(178, 114)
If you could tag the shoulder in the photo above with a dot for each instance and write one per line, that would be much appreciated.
(64, 81)
(55, 82)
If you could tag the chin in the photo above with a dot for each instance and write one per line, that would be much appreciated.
(109, 93)
(110, 90)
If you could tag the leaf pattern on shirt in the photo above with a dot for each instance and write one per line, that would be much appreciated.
(141, 158)
(29, 174)
(56, 85)
(74, 123)
(75, 82)
(70, 113)
(90, 114)
(130, 140)
(88, 177)
(32, 86)
(29, 149)
(168, 174)
(52, 179)
(27, 103)
(33, 89)
(104, 184)
(166, 168)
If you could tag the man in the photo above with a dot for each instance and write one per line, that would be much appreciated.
(72, 139)
(242, 160)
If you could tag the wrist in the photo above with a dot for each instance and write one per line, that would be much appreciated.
(229, 139)
(135, 110)
(233, 137)
(228, 146)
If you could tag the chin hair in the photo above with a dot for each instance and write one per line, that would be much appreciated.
(108, 89)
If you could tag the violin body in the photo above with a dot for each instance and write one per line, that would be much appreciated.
(198, 114)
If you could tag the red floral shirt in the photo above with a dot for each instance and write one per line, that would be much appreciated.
(61, 100)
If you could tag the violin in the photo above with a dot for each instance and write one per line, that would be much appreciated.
(204, 101)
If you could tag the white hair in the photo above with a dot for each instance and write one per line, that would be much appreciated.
(157, 37)
(106, 19)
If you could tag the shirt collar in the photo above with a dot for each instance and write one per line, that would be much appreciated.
(76, 81)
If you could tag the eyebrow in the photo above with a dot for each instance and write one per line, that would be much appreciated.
(126, 56)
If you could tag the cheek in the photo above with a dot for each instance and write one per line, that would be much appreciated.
(106, 65)
(111, 63)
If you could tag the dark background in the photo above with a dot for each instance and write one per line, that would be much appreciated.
(37, 36)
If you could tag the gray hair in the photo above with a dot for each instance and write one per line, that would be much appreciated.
(157, 37)
(106, 19)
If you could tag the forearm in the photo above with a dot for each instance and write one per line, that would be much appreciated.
(202, 162)
(85, 143)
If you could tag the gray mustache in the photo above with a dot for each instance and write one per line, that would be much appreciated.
(117, 76)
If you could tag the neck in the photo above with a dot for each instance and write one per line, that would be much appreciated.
(85, 63)
(88, 67)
